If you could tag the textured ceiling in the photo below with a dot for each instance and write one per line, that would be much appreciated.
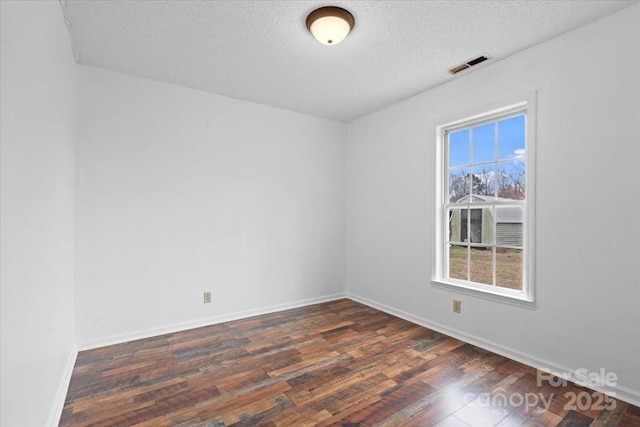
(261, 51)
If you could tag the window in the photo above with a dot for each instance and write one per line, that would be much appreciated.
(485, 204)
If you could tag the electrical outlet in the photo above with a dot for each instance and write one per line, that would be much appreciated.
(457, 306)
(207, 297)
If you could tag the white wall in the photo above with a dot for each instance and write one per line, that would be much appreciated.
(588, 152)
(37, 115)
(181, 191)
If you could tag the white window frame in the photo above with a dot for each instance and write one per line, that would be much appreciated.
(526, 297)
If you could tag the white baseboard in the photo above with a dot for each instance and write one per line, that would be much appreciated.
(619, 392)
(148, 333)
(61, 393)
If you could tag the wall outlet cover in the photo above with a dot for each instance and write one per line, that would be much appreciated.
(457, 306)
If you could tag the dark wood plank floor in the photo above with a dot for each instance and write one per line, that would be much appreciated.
(339, 363)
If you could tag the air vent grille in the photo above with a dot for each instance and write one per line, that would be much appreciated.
(469, 63)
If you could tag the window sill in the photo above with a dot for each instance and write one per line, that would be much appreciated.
(501, 296)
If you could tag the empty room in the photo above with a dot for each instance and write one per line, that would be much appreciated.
(296, 213)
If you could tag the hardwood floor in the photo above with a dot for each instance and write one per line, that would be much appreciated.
(339, 363)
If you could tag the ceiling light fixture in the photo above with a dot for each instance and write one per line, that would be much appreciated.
(330, 25)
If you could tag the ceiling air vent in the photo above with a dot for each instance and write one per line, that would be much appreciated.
(470, 63)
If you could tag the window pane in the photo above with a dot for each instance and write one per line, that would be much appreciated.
(511, 137)
(483, 147)
(458, 262)
(483, 181)
(458, 225)
(509, 225)
(459, 148)
(511, 180)
(459, 184)
(482, 265)
(509, 268)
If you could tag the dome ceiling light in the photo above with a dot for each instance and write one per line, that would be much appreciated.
(330, 25)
